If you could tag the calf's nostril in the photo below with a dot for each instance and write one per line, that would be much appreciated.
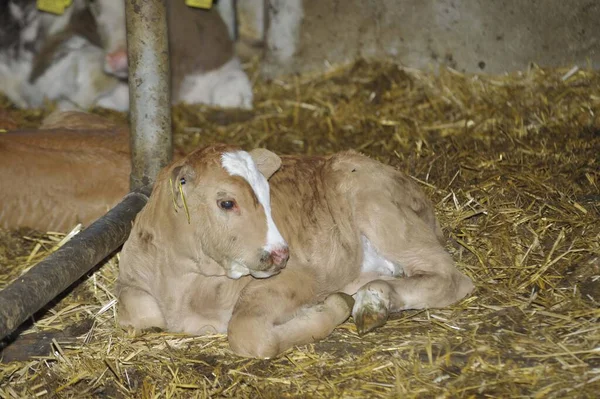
(266, 256)
(280, 256)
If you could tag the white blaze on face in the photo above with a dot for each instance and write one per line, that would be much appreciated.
(240, 163)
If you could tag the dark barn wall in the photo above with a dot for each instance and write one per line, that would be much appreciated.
(491, 36)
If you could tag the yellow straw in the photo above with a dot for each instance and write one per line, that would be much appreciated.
(187, 212)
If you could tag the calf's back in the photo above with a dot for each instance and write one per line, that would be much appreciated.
(53, 179)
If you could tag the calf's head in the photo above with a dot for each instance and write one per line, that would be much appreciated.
(222, 194)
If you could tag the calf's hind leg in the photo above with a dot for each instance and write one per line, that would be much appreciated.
(430, 277)
(275, 314)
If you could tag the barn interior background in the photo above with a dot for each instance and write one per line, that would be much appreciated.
(492, 106)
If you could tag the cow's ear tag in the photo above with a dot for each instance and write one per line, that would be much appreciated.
(206, 4)
(53, 6)
(180, 192)
(187, 211)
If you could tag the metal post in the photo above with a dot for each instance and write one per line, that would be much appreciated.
(149, 89)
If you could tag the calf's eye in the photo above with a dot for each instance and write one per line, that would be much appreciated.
(182, 180)
(227, 205)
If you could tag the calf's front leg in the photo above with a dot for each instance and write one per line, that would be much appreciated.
(138, 309)
(275, 314)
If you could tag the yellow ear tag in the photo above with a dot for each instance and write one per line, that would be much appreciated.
(187, 212)
(53, 6)
(206, 4)
(172, 194)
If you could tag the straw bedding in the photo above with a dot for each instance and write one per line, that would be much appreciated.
(513, 165)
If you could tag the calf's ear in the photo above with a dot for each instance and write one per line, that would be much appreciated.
(266, 161)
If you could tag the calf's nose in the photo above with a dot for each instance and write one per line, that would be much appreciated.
(280, 256)
(117, 61)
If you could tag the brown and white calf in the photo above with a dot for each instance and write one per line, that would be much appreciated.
(209, 252)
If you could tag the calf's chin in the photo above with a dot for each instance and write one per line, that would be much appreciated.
(236, 270)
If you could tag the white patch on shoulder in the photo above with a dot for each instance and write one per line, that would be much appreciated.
(240, 163)
(374, 262)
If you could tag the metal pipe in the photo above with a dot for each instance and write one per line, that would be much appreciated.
(149, 89)
(43, 282)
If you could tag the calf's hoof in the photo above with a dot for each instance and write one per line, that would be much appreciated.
(370, 310)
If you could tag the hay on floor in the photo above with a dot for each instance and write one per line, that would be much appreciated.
(513, 165)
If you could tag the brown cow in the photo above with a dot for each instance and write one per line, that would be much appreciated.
(72, 171)
(209, 252)
(52, 180)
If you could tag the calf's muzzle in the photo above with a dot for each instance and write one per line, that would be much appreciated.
(280, 257)
(273, 262)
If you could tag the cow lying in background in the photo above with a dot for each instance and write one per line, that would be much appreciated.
(52, 179)
(219, 249)
(79, 58)
(73, 170)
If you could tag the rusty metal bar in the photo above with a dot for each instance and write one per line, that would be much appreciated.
(149, 89)
(43, 282)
